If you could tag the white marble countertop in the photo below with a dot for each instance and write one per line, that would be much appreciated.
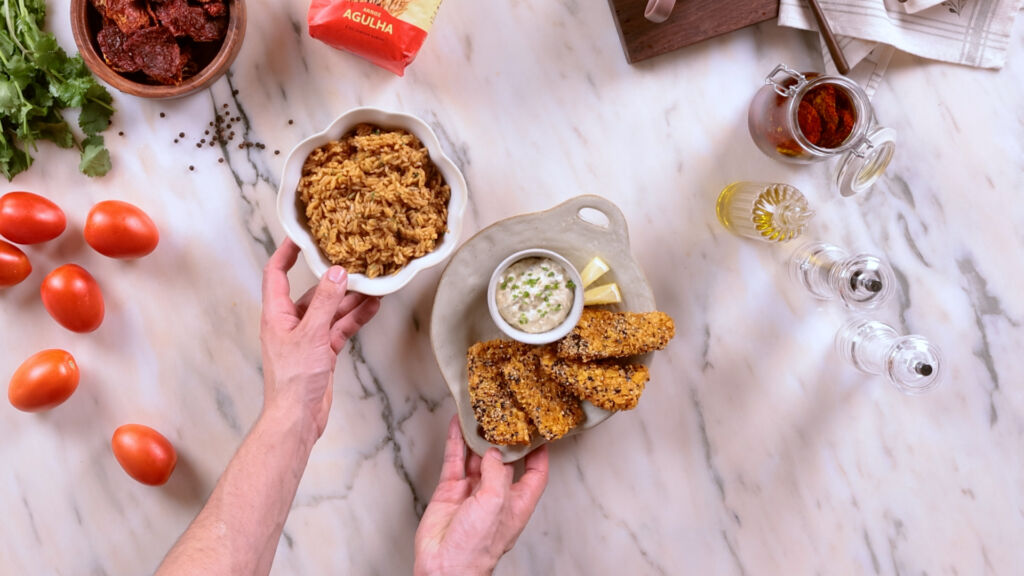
(754, 450)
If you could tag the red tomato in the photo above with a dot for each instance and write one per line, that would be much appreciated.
(72, 296)
(14, 265)
(144, 453)
(27, 218)
(120, 230)
(44, 381)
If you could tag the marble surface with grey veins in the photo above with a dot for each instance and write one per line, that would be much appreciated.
(755, 449)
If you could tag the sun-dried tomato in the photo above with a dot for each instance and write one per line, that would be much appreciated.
(215, 9)
(101, 7)
(157, 54)
(112, 44)
(809, 121)
(167, 40)
(192, 21)
(834, 116)
(129, 15)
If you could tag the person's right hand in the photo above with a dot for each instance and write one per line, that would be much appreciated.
(477, 511)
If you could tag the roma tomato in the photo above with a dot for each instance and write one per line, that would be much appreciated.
(14, 265)
(72, 296)
(27, 218)
(144, 453)
(44, 381)
(120, 230)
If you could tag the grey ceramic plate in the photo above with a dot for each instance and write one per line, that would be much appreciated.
(460, 317)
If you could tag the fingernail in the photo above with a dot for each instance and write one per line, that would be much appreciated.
(335, 274)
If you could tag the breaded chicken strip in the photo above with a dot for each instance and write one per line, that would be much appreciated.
(502, 420)
(603, 334)
(607, 384)
(551, 407)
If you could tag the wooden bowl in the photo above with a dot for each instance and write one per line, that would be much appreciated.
(86, 22)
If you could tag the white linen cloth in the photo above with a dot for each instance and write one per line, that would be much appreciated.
(970, 32)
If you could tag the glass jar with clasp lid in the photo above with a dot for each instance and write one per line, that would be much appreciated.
(809, 117)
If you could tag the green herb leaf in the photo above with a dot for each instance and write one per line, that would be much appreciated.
(10, 97)
(13, 160)
(53, 128)
(95, 158)
(38, 81)
(95, 118)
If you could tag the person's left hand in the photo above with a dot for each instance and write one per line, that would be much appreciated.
(301, 340)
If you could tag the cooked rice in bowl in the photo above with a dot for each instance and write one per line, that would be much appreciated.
(374, 200)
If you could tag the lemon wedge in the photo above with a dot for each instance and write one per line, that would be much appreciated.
(594, 270)
(603, 294)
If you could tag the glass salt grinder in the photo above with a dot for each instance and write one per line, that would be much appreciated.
(763, 211)
(911, 363)
(861, 281)
(773, 120)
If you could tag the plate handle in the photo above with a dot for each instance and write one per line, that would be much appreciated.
(574, 212)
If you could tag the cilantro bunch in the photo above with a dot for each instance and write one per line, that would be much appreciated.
(38, 81)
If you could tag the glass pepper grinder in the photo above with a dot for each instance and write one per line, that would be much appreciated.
(809, 117)
(911, 363)
(861, 281)
(763, 211)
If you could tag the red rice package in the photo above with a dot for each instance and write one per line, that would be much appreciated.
(388, 33)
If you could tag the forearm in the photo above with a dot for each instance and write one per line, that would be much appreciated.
(238, 530)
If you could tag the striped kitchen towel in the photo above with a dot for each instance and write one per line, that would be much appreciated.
(970, 32)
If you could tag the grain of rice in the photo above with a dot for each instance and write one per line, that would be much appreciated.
(374, 200)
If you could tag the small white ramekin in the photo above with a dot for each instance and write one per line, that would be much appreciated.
(559, 331)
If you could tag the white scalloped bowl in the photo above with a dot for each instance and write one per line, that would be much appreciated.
(293, 217)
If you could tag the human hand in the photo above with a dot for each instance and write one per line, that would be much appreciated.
(301, 340)
(477, 511)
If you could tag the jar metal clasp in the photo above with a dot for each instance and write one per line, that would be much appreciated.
(778, 77)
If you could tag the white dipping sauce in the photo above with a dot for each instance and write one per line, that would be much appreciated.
(534, 295)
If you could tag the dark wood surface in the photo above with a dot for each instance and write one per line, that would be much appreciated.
(690, 22)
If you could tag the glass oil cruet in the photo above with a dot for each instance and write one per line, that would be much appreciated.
(861, 281)
(911, 363)
(763, 211)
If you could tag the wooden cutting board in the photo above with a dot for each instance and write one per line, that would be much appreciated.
(690, 22)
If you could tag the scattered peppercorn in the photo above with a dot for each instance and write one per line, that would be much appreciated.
(120, 133)
(181, 134)
(162, 115)
(191, 168)
(220, 160)
(290, 122)
(276, 152)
